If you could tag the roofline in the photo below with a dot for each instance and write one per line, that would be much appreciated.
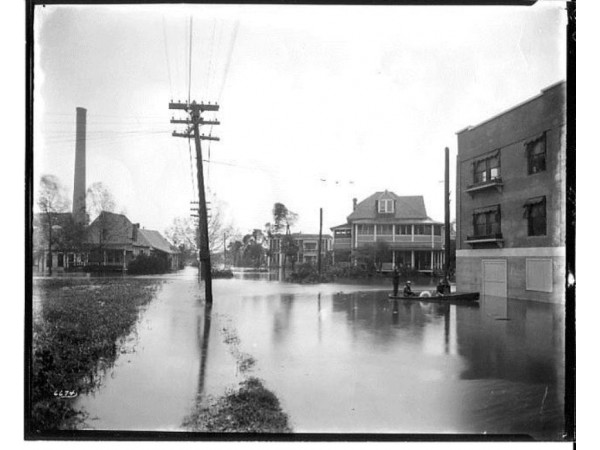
(518, 105)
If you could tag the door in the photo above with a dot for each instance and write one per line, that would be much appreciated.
(494, 277)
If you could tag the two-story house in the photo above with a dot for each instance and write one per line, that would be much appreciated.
(413, 239)
(511, 201)
(307, 246)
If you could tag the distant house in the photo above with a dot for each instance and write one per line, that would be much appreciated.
(511, 201)
(398, 223)
(113, 241)
(307, 245)
(61, 229)
(159, 246)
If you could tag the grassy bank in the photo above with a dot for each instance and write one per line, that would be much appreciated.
(250, 409)
(76, 329)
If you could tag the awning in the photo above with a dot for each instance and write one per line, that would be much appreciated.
(534, 201)
(531, 203)
(486, 209)
(534, 139)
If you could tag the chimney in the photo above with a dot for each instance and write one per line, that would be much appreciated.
(134, 234)
(79, 209)
(353, 204)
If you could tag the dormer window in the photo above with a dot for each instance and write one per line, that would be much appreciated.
(386, 206)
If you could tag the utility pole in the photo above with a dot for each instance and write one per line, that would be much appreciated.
(320, 239)
(193, 131)
(447, 214)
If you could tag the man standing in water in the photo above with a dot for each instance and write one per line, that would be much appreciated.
(396, 280)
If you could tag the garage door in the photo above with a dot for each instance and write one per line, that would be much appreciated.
(494, 277)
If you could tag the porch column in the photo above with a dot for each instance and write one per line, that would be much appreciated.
(124, 260)
(374, 233)
(412, 259)
(393, 233)
(432, 261)
(393, 258)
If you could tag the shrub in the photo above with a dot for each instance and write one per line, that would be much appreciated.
(225, 273)
(145, 265)
(250, 409)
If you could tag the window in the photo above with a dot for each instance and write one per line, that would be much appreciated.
(535, 213)
(310, 246)
(536, 154)
(384, 229)
(386, 206)
(341, 233)
(486, 222)
(538, 274)
(365, 229)
(423, 229)
(487, 169)
(404, 229)
(437, 230)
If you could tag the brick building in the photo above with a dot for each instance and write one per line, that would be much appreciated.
(511, 201)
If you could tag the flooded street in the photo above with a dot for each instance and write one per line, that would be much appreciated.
(341, 358)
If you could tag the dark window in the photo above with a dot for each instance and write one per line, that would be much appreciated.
(423, 229)
(486, 169)
(342, 233)
(423, 260)
(384, 229)
(404, 229)
(61, 260)
(536, 155)
(486, 222)
(535, 213)
(365, 229)
(437, 230)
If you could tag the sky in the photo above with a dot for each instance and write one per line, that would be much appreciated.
(318, 104)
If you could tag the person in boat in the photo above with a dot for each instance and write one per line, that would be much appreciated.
(407, 292)
(396, 280)
(443, 287)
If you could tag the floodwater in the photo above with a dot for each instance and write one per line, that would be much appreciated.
(341, 358)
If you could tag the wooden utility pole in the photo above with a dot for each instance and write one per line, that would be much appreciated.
(447, 214)
(320, 239)
(193, 131)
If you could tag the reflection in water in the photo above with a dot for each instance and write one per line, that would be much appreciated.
(366, 364)
(204, 346)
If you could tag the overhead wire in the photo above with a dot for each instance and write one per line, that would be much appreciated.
(167, 56)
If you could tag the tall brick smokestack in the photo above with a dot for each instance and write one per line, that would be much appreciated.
(79, 212)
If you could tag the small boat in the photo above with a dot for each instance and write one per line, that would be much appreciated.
(453, 297)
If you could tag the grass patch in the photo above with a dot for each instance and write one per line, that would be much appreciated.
(250, 409)
(76, 332)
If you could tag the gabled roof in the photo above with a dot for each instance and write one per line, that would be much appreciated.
(119, 229)
(342, 226)
(406, 207)
(155, 240)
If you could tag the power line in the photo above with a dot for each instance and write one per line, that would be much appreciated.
(167, 56)
(190, 63)
(228, 63)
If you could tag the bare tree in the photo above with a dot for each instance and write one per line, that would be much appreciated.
(51, 201)
(99, 198)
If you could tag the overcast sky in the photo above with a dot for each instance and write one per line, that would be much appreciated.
(319, 104)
